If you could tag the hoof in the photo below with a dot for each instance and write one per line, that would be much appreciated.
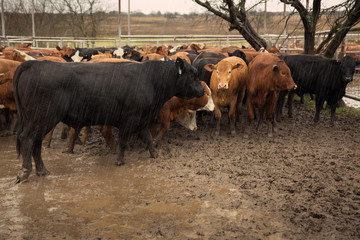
(68, 151)
(154, 154)
(119, 163)
(233, 133)
(43, 172)
(22, 175)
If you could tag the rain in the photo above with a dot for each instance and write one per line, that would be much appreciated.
(300, 183)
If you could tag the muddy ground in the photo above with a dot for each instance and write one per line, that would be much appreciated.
(304, 183)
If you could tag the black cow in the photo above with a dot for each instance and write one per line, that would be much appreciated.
(240, 54)
(86, 53)
(205, 75)
(209, 54)
(126, 95)
(326, 78)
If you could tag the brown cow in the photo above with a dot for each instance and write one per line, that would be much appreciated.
(228, 85)
(173, 107)
(268, 75)
(7, 69)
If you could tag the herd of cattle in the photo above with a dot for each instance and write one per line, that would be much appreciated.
(135, 89)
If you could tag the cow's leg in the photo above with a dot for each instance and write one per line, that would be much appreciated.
(39, 164)
(333, 109)
(240, 103)
(290, 103)
(319, 103)
(261, 117)
(164, 120)
(48, 137)
(147, 139)
(106, 132)
(251, 117)
(65, 131)
(270, 113)
(85, 135)
(232, 115)
(218, 120)
(123, 139)
(73, 134)
(14, 122)
(26, 143)
(280, 105)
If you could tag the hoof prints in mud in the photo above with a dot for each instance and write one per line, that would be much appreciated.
(302, 184)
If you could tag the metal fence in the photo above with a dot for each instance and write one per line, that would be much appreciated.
(285, 43)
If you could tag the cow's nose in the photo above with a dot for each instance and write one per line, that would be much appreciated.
(195, 128)
(223, 86)
(295, 87)
(348, 79)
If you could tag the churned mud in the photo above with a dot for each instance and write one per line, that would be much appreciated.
(304, 183)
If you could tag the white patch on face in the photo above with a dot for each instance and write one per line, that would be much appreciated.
(210, 106)
(119, 52)
(187, 119)
(76, 57)
(27, 57)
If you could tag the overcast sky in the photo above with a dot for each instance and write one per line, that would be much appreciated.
(187, 6)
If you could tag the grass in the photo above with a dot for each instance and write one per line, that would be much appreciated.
(310, 106)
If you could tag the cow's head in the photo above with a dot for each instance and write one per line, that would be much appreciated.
(209, 103)
(188, 83)
(21, 56)
(187, 119)
(65, 51)
(223, 70)
(347, 66)
(283, 79)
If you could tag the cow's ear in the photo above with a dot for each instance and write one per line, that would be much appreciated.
(210, 67)
(275, 68)
(58, 48)
(179, 64)
(237, 66)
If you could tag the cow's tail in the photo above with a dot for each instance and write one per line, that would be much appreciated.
(19, 124)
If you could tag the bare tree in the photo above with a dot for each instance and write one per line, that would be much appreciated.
(236, 15)
(83, 16)
(338, 31)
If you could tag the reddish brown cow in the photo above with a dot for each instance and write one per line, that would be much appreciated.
(172, 108)
(227, 84)
(268, 75)
(65, 51)
(7, 68)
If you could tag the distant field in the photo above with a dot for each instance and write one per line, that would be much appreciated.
(199, 25)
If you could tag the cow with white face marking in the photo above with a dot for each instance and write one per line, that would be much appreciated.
(183, 110)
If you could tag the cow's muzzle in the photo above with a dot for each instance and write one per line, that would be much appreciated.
(223, 86)
(348, 79)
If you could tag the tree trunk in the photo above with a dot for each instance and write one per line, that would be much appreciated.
(247, 31)
(309, 40)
